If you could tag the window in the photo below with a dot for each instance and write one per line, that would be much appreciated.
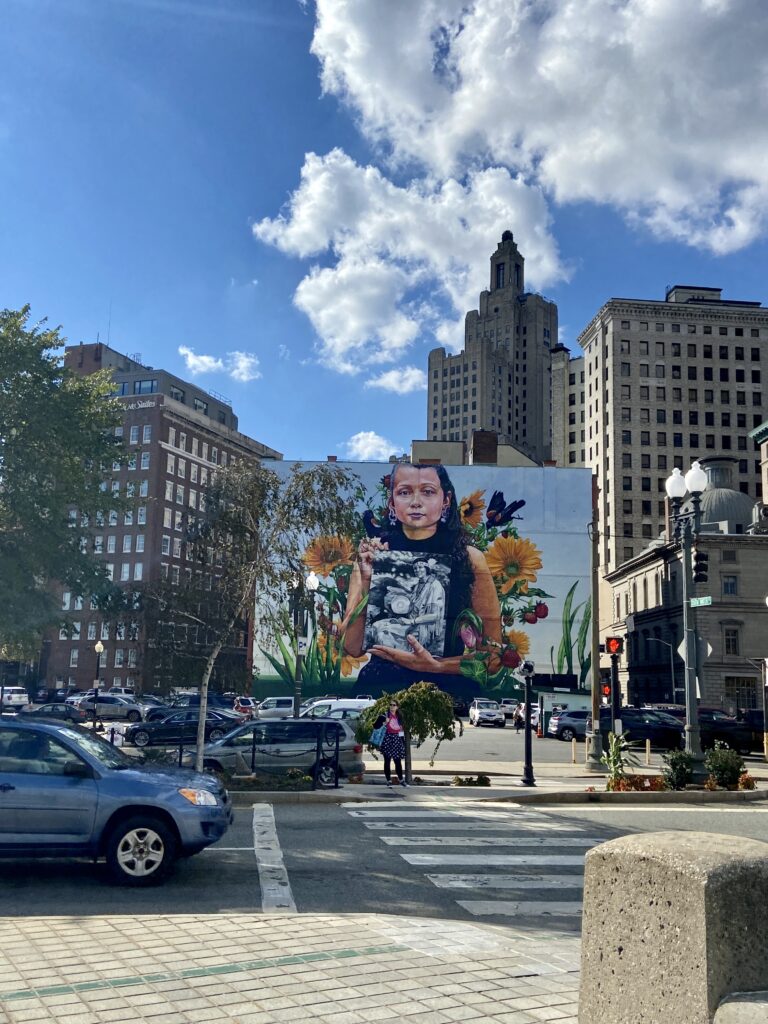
(623, 349)
(127, 544)
(626, 483)
(125, 572)
(730, 586)
(643, 369)
(146, 436)
(138, 571)
(661, 438)
(144, 460)
(111, 544)
(627, 506)
(626, 370)
(661, 416)
(166, 546)
(141, 515)
(119, 657)
(98, 545)
(176, 393)
(170, 465)
(626, 460)
(144, 387)
(74, 655)
(731, 639)
(140, 543)
(134, 438)
(626, 437)
(645, 483)
(144, 489)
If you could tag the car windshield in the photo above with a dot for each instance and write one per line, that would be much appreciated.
(105, 753)
(488, 705)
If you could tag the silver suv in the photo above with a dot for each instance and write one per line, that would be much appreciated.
(272, 748)
(275, 707)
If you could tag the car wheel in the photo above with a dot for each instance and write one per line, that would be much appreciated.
(141, 738)
(134, 716)
(215, 734)
(141, 851)
(325, 774)
(567, 734)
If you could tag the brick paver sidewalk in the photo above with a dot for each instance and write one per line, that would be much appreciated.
(339, 969)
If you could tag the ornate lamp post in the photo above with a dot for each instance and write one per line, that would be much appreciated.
(527, 670)
(304, 589)
(98, 647)
(686, 526)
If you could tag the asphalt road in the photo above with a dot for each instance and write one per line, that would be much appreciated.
(436, 858)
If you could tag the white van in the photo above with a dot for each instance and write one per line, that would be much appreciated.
(337, 709)
(14, 698)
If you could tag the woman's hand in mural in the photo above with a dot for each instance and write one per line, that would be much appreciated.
(366, 552)
(418, 659)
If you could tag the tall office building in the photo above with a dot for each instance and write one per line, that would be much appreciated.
(500, 381)
(660, 385)
(176, 434)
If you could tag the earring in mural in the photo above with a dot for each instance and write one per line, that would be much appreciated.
(392, 517)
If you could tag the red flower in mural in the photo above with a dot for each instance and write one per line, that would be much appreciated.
(510, 658)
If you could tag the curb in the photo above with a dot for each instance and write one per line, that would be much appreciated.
(245, 798)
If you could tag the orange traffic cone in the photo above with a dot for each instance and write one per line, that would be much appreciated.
(539, 731)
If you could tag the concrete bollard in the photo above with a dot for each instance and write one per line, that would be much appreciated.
(672, 924)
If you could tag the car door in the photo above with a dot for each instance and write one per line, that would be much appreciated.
(48, 795)
(172, 729)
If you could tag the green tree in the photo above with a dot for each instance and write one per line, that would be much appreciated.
(56, 440)
(247, 543)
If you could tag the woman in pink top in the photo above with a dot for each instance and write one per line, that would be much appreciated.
(393, 744)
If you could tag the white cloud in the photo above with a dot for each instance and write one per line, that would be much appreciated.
(367, 446)
(200, 364)
(240, 366)
(390, 242)
(402, 381)
(243, 366)
(283, 352)
(659, 109)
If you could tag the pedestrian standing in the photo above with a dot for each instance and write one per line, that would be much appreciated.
(393, 744)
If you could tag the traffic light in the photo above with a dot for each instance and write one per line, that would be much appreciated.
(614, 645)
(700, 567)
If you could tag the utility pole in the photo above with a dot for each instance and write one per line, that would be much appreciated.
(595, 737)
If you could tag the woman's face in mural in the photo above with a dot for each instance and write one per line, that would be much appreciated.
(418, 500)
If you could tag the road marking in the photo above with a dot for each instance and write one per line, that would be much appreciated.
(508, 908)
(276, 895)
(227, 849)
(487, 841)
(444, 812)
(491, 860)
(506, 882)
(469, 826)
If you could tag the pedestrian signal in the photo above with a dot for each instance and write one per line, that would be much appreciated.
(614, 645)
(606, 689)
(700, 567)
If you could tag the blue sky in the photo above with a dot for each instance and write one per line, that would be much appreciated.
(293, 202)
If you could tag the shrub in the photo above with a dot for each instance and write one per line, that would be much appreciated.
(724, 766)
(678, 769)
(636, 784)
(746, 781)
(470, 780)
(616, 758)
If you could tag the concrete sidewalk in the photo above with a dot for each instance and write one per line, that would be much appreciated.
(332, 969)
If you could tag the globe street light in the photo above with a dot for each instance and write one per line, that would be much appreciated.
(686, 526)
(98, 647)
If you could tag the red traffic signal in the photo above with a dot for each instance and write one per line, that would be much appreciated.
(614, 645)
(606, 689)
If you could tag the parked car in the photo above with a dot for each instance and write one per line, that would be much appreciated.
(107, 706)
(519, 712)
(641, 724)
(717, 727)
(56, 712)
(181, 727)
(275, 707)
(509, 706)
(245, 706)
(67, 691)
(14, 698)
(67, 793)
(568, 725)
(486, 712)
(122, 691)
(336, 709)
(277, 746)
(192, 700)
(460, 707)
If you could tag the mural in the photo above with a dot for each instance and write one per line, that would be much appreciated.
(456, 575)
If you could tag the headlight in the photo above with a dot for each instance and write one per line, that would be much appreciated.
(201, 797)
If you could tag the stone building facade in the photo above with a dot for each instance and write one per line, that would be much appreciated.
(501, 380)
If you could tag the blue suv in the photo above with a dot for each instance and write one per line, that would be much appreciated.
(66, 792)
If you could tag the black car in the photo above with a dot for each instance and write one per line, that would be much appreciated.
(460, 707)
(717, 727)
(641, 724)
(181, 727)
(58, 712)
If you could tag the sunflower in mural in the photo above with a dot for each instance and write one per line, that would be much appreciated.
(518, 640)
(349, 663)
(471, 508)
(513, 560)
(324, 554)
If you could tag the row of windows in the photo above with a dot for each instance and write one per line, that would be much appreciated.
(118, 631)
(197, 448)
(676, 349)
(133, 433)
(693, 395)
(694, 440)
(125, 571)
(660, 371)
(693, 417)
(628, 482)
(642, 325)
(129, 544)
(119, 658)
(137, 387)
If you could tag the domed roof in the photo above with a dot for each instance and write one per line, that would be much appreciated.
(719, 501)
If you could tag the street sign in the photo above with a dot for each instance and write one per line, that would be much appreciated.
(303, 645)
(701, 602)
(703, 652)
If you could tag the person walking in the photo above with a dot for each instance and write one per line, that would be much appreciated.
(393, 744)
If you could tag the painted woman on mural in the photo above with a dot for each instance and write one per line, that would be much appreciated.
(423, 517)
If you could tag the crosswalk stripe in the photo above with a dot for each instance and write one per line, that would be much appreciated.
(523, 882)
(408, 815)
(506, 908)
(511, 841)
(467, 826)
(492, 860)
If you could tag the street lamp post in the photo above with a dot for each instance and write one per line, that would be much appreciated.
(98, 647)
(686, 527)
(526, 670)
(671, 647)
(303, 587)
